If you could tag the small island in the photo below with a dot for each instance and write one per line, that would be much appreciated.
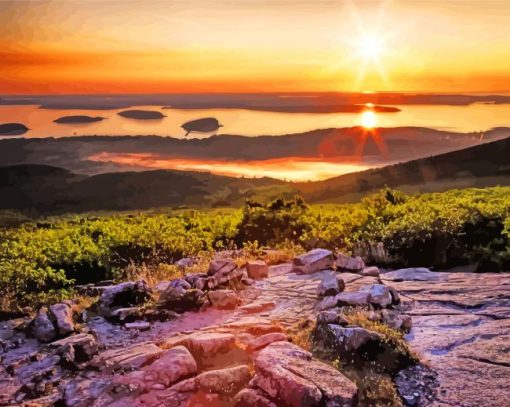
(13, 129)
(205, 125)
(141, 114)
(78, 119)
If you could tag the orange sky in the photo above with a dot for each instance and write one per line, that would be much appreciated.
(252, 46)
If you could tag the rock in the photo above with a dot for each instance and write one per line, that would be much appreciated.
(370, 271)
(331, 317)
(355, 298)
(83, 393)
(224, 381)
(221, 266)
(312, 261)
(252, 398)
(344, 262)
(345, 341)
(265, 340)
(326, 303)
(256, 307)
(330, 285)
(185, 262)
(172, 366)
(76, 348)
(223, 299)
(180, 297)
(42, 328)
(412, 274)
(123, 295)
(257, 269)
(132, 357)
(127, 314)
(139, 325)
(210, 342)
(289, 374)
(247, 281)
(161, 286)
(380, 295)
(397, 321)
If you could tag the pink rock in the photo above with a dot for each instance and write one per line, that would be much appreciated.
(372, 271)
(224, 381)
(312, 261)
(257, 269)
(265, 340)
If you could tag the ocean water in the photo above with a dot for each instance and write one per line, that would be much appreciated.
(474, 117)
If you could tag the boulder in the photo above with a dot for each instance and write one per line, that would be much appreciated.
(326, 303)
(289, 374)
(41, 327)
(172, 366)
(221, 266)
(224, 381)
(131, 357)
(330, 285)
(257, 269)
(252, 398)
(264, 340)
(207, 343)
(331, 317)
(223, 299)
(372, 271)
(84, 393)
(312, 261)
(348, 263)
(346, 341)
(127, 314)
(123, 295)
(355, 298)
(76, 349)
(380, 295)
(180, 296)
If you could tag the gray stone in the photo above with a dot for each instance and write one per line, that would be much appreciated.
(355, 298)
(83, 393)
(76, 348)
(42, 328)
(330, 285)
(380, 295)
(123, 295)
(312, 261)
(326, 303)
(344, 262)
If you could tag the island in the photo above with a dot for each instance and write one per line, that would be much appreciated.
(205, 125)
(78, 119)
(13, 129)
(141, 114)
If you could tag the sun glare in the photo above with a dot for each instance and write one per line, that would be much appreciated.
(371, 47)
(368, 119)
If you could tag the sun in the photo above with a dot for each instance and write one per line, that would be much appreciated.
(368, 119)
(371, 47)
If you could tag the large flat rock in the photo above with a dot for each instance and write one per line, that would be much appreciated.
(461, 328)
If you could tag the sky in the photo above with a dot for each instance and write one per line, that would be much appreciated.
(95, 46)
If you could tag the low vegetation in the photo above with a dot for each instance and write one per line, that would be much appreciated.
(46, 257)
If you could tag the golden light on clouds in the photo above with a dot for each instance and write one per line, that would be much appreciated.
(221, 46)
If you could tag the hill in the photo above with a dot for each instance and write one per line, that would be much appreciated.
(42, 189)
(479, 166)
